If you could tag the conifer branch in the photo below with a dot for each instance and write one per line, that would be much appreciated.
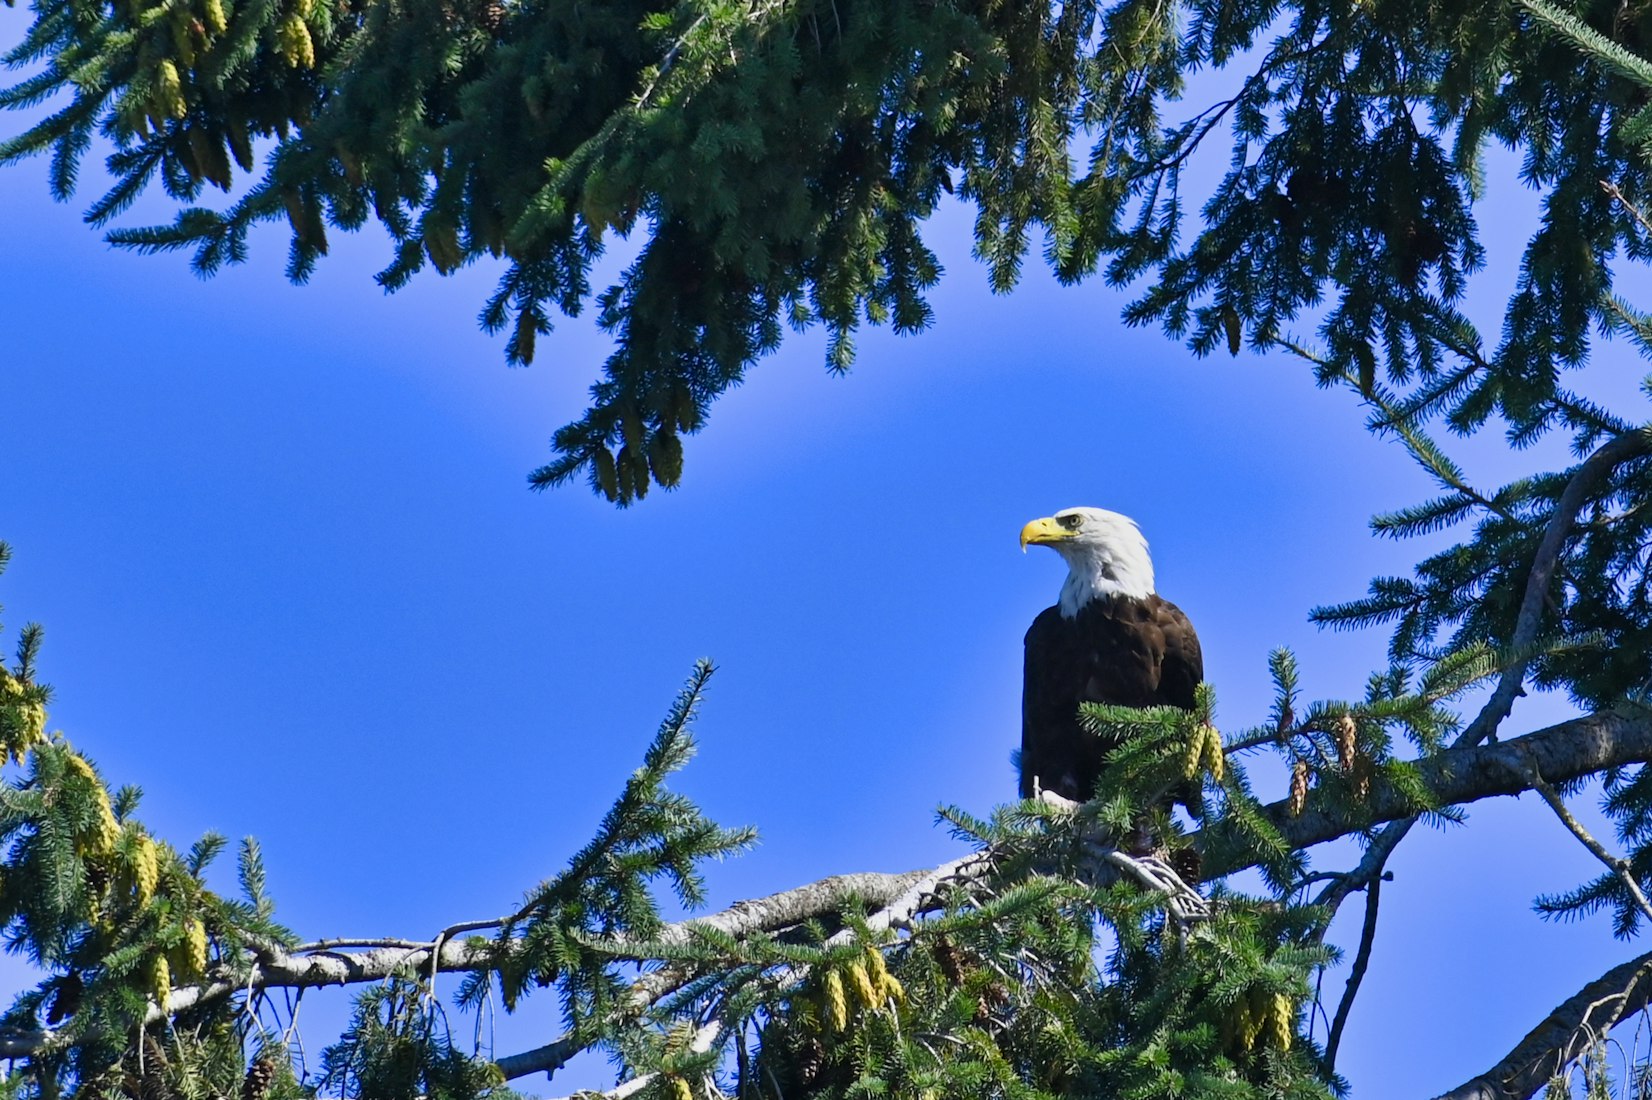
(1528, 623)
(784, 909)
(1565, 1034)
(889, 896)
(1562, 752)
(699, 1044)
(1457, 776)
(1530, 619)
(890, 892)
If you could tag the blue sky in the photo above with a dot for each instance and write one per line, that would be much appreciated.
(294, 586)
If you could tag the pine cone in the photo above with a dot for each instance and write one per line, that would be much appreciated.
(1299, 787)
(65, 999)
(950, 961)
(152, 1085)
(810, 1060)
(1188, 865)
(1347, 741)
(256, 1084)
(1362, 777)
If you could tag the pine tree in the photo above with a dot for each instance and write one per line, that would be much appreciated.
(778, 161)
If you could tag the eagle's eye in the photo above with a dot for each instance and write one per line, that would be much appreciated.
(1070, 522)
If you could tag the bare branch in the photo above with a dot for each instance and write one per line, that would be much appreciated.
(1616, 864)
(701, 1043)
(1356, 973)
(900, 897)
(1560, 752)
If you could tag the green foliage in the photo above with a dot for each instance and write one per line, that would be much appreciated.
(778, 159)
(605, 892)
(1463, 602)
(397, 1047)
(1045, 974)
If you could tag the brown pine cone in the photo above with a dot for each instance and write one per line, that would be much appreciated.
(257, 1082)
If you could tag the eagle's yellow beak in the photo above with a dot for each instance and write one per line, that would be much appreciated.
(1042, 532)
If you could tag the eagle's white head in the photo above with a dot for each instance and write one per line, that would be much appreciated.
(1105, 552)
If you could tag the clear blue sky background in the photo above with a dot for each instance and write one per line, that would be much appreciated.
(294, 586)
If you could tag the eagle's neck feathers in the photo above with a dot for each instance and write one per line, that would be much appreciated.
(1116, 568)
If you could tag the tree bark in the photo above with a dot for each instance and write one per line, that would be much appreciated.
(1563, 1035)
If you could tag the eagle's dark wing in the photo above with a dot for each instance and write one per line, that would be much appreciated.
(1183, 666)
(1133, 653)
(1051, 676)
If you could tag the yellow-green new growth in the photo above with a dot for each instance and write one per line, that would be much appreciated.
(295, 43)
(160, 981)
(865, 991)
(190, 957)
(169, 92)
(105, 831)
(837, 1005)
(1214, 760)
(146, 869)
(26, 724)
(1193, 755)
(1281, 1021)
(888, 986)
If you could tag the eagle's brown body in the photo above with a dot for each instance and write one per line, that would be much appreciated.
(1128, 651)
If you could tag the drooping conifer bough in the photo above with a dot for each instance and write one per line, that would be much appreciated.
(773, 162)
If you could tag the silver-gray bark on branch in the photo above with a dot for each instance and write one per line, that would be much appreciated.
(1560, 752)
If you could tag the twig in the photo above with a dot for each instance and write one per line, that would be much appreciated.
(1617, 196)
(702, 1042)
(1616, 864)
(1182, 900)
(1184, 903)
(1564, 751)
(1356, 973)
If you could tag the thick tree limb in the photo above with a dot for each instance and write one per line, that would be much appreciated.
(1459, 775)
(320, 965)
(1528, 623)
(1563, 1035)
(1561, 752)
(776, 911)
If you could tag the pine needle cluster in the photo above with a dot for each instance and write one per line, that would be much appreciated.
(778, 159)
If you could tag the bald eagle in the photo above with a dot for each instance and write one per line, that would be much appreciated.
(1110, 638)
